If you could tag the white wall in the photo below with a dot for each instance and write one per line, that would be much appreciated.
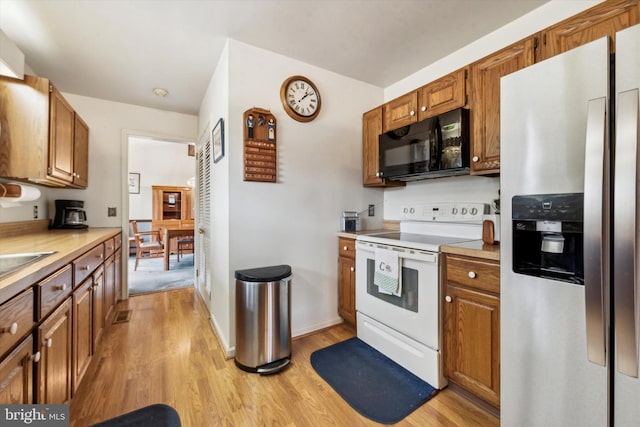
(295, 220)
(171, 165)
(107, 122)
(471, 189)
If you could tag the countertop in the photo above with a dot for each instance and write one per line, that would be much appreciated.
(473, 248)
(68, 244)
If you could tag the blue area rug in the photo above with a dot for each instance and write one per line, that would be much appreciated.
(152, 277)
(374, 385)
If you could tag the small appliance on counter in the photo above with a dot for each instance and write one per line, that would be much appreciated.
(350, 221)
(69, 214)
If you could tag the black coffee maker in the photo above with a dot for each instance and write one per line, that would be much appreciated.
(69, 214)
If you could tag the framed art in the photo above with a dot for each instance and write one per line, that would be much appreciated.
(134, 183)
(217, 135)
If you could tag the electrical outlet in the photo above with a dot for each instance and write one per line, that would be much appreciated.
(35, 211)
(111, 211)
(372, 211)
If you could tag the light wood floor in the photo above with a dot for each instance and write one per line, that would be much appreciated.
(168, 353)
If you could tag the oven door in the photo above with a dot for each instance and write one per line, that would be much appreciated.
(415, 313)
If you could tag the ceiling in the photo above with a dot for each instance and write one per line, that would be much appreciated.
(120, 50)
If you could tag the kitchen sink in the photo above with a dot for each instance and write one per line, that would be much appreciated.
(13, 262)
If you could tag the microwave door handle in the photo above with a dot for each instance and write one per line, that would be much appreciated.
(439, 145)
(595, 239)
(625, 233)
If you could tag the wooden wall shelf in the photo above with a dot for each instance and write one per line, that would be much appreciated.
(260, 159)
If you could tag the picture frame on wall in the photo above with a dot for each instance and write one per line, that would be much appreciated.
(134, 183)
(217, 135)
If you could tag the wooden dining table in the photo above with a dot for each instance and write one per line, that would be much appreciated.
(170, 233)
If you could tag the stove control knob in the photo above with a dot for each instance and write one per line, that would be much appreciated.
(412, 211)
(405, 210)
(473, 211)
(454, 211)
(463, 211)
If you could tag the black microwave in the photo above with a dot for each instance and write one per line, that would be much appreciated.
(432, 148)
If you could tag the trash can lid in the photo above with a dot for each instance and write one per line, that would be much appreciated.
(264, 274)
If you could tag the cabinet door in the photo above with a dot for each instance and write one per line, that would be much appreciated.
(82, 330)
(53, 377)
(401, 111)
(109, 289)
(61, 149)
(604, 19)
(98, 307)
(443, 95)
(347, 289)
(472, 341)
(16, 375)
(81, 152)
(371, 130)
(485, 101)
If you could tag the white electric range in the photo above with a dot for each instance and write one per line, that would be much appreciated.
(406, 325)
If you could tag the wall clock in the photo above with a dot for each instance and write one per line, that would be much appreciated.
(300, 98)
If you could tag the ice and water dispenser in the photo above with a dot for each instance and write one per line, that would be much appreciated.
(548, 236)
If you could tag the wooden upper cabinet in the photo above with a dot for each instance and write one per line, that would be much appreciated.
(61, 138)
(604, 19)
(401, 111)
(371, 130)
(80, 153)
(39, 135)
(485, 102)
(443, 95)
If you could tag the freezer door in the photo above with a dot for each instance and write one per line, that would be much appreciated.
(546, 377)
(627, 234)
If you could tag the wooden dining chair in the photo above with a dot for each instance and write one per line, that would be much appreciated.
(184, 244)
(148, 244)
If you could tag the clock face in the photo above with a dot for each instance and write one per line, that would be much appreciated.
(300, 98)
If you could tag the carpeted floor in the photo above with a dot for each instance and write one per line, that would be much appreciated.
(152, 277)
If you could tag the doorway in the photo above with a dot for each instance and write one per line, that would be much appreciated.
(165, 163)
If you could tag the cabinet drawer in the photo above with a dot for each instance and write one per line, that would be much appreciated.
(52, 291)
(83, 266)
(117, 240)
(475, 273)
(109, 247)
(16, 320)
(346, 247)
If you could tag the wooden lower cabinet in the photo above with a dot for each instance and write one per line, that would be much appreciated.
(82, 330)
(347, 280)
(472, 326)
(97, 318)
(16, 375)
(53, 372)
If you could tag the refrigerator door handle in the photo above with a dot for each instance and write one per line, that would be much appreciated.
(625, 267)
(595, 240)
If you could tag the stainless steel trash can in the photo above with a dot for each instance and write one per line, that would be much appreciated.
(263, 327)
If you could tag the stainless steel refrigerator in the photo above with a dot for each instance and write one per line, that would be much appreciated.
(570, 264)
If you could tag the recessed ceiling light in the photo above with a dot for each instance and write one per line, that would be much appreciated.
(160, 92)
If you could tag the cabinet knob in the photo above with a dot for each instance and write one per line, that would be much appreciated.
(448, 298)
(84, 267)
(352, 269)
(424, 108)
(36, 357)
(49, 343)
(475, 158)
(472, 275)
(201, 230)
(378, 175)
(345, 248)
(13, 329)
(63, 287)
(412, 113)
